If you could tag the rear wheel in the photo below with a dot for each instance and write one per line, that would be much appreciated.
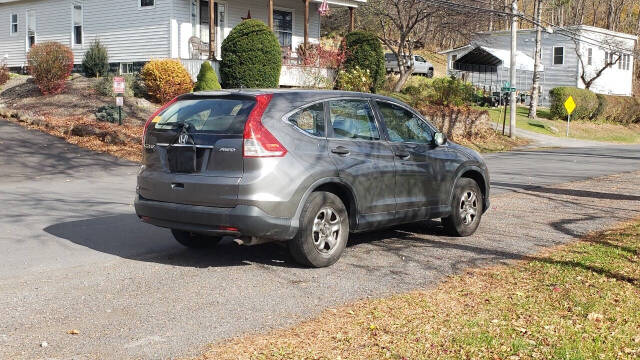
(195, 241)
(466, 209)
(323, 233)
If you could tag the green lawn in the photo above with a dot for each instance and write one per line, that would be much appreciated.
(586, 130)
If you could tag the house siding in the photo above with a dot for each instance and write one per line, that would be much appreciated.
(129, 33)
(613, 81)
(53, 23)
(237, 9)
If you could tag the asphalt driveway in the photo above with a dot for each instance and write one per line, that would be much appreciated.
(74, 255)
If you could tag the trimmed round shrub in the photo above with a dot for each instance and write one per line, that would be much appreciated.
(251, 57)
(364, 51)
(207, 78)
(50, 64)
(96, 60)
(586, 102)
(166, 79)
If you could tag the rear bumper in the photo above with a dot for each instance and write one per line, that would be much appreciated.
(246, 220)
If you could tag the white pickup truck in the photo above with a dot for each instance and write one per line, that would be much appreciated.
(420, 65)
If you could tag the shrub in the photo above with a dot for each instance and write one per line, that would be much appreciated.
(618, 109)
(109, 113)
(207, 78)
(251, 57)
(166, 79)
(4, 74)
(450, 91)
(50, 64)
(96, 60)
(586, 102)
(133, 86)
(364, 50)
(356, 79)
(318, 55)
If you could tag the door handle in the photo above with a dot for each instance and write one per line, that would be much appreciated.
(340, 150)
(402, 154)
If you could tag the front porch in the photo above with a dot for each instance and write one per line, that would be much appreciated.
(296, 23)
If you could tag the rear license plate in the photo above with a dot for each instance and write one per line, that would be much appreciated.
(182, 159)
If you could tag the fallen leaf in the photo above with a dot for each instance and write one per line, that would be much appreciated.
(73, 332)
(595, 317)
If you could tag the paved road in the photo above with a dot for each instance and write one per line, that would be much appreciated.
(74, 256)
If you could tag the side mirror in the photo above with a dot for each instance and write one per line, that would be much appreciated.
(439, 139)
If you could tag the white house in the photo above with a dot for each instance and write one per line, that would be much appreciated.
(486, 60)
(135, 31)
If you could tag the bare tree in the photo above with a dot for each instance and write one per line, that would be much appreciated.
(614, 51)
(396, 22)
(535, 87)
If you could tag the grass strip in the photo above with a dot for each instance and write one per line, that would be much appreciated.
(576, 301)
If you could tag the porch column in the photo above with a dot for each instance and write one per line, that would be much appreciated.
(352, 19)
(306, 23)
(212, 32)
(270, 16)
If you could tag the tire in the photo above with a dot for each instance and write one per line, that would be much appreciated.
(323, 232)
(466, 209)
(195, 241)
(430, 74)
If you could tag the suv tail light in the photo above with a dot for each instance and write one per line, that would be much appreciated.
(150, 120)
(257, 140)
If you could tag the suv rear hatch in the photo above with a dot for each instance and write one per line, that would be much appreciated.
(193, 150)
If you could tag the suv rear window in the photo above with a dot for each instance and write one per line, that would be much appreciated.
(218, 115)
(310, 119)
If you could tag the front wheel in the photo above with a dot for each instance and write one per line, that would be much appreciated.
(466, 209)
(195, 241)
(323, 232)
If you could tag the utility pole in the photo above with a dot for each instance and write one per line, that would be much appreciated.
(512, 67)
(535, 86)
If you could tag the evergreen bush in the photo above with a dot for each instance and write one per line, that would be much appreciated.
(96, 60)
(207, 78)
(364, 50)
(251, 57)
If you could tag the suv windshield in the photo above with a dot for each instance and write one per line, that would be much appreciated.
(218, 115)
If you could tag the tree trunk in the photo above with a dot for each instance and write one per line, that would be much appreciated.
(535, 87)
(491, 16)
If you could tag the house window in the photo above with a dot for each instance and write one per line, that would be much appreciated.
(14, 23)
(77, 24)
(620, 61)
(283, 26)
(454, 57)
(147, 3)
(589, 56)
(126, 68)
(31, 28)
(628, 62)
(558, 55)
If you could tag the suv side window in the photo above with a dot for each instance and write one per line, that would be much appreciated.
(353, 119)
(403, 125)
(310, 119)
(420, 59)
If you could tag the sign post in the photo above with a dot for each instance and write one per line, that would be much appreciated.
(119, 86)
(569, 105)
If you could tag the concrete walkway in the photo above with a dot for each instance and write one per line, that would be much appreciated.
(540, 140)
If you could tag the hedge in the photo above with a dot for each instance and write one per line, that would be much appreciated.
(364, 51)
(251, 57)
(586, 102)
(619, 109)
(597, 107)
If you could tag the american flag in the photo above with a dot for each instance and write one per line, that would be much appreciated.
(324, 9)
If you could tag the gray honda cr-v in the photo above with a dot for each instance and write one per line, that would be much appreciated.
(306, 167)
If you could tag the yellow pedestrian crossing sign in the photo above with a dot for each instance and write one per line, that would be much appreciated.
(570, 105)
